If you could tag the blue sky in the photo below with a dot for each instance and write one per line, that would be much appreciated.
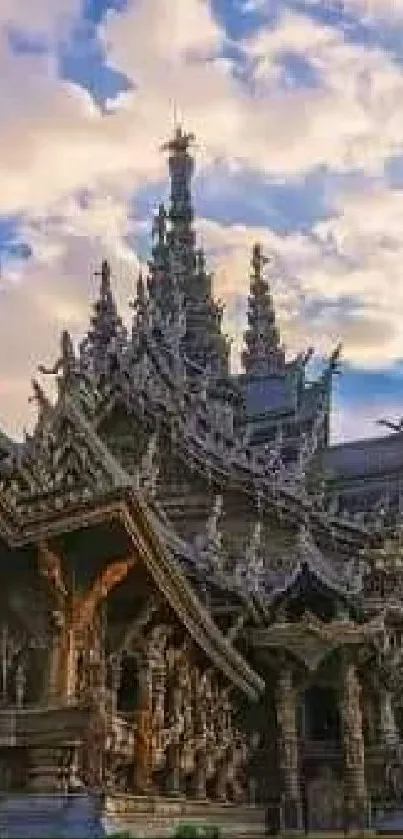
(296, 108)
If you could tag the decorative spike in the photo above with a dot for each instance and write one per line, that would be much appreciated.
(105, 274)
(141, 299)
(39, 396)
(263, 353)
(107, 333)
(176, 268)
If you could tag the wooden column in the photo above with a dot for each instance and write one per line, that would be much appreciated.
(144, 728)
(174, 771)
(286, 714)
(388, 727)
(353, 743)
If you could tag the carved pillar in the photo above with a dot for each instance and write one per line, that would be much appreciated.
(353, 743)
(159, 689)
(225, 739)
(174, 774)
(62, 661)
(200, 732)
(286, 713)
(388, 728)
(144, 732)
(115, 664)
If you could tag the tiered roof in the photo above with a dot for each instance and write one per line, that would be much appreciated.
(75, 466)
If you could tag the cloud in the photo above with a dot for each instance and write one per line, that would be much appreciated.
(45, 16)
(380, 10)
(353, 420)
(54, 290)
(338, 279)
(55, 139)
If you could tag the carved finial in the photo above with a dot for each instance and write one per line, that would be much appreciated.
(213, 520)
(65, 364)
(140, 303)
(149, 466)
(140, 288)
(263, 353)
(180, 142)
(209, 544)
(259, 260)
(105, 274)
(334, 359)
(254, 562)
(39, 396)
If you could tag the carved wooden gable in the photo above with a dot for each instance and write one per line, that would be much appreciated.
(64, 463)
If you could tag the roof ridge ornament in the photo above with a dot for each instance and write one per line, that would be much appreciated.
(209, 544)
(65, 365)
(149, 468)
(263, 353)
(254, 559)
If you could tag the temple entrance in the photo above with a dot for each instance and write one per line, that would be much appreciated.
(128, 688)
(321, 757)
(320, 716)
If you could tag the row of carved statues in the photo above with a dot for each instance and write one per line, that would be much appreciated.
(185, 737)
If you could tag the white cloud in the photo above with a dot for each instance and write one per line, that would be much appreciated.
(44, 16)
(354, 421)
(55, 140)
(380, 10)
(55, 289)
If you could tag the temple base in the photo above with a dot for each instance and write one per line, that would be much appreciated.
(160, 815)
(40, 816)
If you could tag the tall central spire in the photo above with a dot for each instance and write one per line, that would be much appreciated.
(181, 236)
(177, 270)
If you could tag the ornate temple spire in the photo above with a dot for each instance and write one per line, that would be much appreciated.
(181, 167)
(263, 353)
(107, 333)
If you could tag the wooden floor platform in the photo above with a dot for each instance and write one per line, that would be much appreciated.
(159, 816)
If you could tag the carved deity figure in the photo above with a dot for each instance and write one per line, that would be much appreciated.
(65, 364)
(212, 527)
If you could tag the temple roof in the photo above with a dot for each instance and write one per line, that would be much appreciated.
(181, 416)
(362, 458)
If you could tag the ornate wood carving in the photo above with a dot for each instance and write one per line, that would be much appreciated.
(353, 741)
(74, 617)
(288, 746)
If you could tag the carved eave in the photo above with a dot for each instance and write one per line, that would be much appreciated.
(223, 471)
(303, 579)
(133, 514)
(312, 640)
(237, 599)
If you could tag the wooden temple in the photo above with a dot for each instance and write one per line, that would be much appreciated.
(183, 620)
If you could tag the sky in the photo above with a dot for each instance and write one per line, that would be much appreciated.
(296, 105)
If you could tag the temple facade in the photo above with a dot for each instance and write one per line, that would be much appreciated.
(186, 617)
